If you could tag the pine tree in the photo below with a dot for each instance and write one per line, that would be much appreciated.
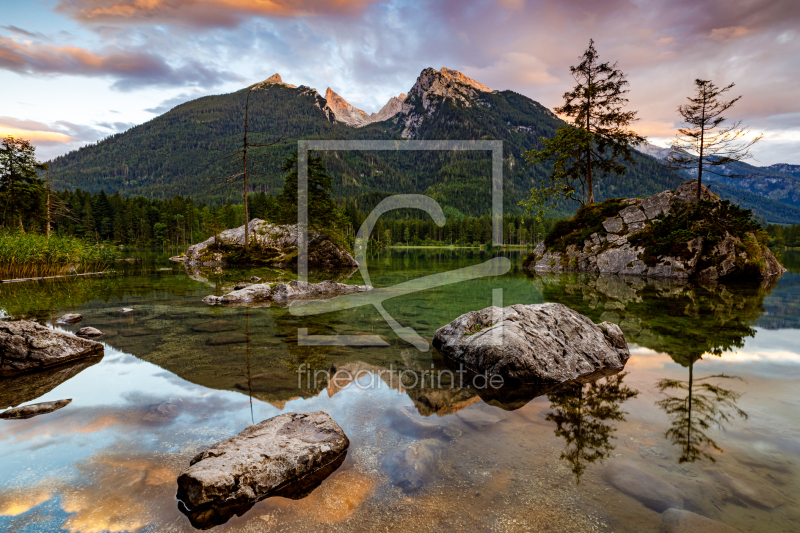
(706, 143)
(599, 139)
(21, 189)
(323, 213)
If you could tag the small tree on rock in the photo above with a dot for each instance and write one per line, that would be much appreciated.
(706, 144)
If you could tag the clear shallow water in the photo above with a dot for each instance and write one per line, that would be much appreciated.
(179, 376)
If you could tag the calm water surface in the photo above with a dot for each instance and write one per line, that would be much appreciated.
(178, 376)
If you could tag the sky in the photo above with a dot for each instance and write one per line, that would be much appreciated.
(73, 72)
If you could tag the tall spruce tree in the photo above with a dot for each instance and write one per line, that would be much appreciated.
(21, 189)
(323, 213)
(599, 139)
(706, 143)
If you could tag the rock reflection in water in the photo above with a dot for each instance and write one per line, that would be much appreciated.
(25, 388)
(210, 517)
(705, 404)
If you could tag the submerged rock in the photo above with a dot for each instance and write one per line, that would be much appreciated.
(70, 318)
(230, 338)
(27, 346)
(682, 521)
(215, 326)
(414, 465)
(36, 409)
(623, 242)
(89, 331)
(261, 459)
(271, 245)
(284, 291)
(532, 343)
(633, 480)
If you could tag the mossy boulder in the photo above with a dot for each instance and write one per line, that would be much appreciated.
(270, 245)
(670, 234)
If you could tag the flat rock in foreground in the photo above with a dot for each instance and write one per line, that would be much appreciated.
(27, 346)
(260, 460)
(36, 409)
(263, 292)
(532, 343)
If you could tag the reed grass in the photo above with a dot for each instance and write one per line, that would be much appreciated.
(28, 255)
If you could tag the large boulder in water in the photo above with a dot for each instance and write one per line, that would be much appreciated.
(270, 245)
(261, 459)
(533, 343)
(27, 346)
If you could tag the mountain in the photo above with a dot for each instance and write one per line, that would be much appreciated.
(778, 186)
(184, 150)
(350, 115)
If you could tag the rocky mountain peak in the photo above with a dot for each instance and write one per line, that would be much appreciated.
(456, 75)
(343, 111)
(431, 89)
(275, 79)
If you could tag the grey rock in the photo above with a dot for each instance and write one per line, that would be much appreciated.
(632, 214)
(284, 291)
(89, 331)
(614, 254)
(276, 244)
(304, 289)
(480, 420)
(682, 521)
(638, 483)
(255, 279)
(261, 459)
(414, 465)
(657, 204)
(406, 422)
(687, 192)
(635, 227)
(36, 409)
(613, 224)
(543, 343)
(250, 294)
(240, 286)
(27, 346)
(70, 318)
(750, 491)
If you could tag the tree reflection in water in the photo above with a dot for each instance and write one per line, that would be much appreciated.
(583, 414)
(704, 405)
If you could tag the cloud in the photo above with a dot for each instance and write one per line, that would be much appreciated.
(59, 133)
(169, 103)
(132, 68)
(201, 12)
(728, 34)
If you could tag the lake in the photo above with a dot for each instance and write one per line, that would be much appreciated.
(613, 455)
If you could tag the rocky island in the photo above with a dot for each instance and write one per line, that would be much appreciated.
(270, 245)
(668, 235)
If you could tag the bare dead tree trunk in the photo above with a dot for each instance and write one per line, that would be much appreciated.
(48, 202)
(244, 179)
